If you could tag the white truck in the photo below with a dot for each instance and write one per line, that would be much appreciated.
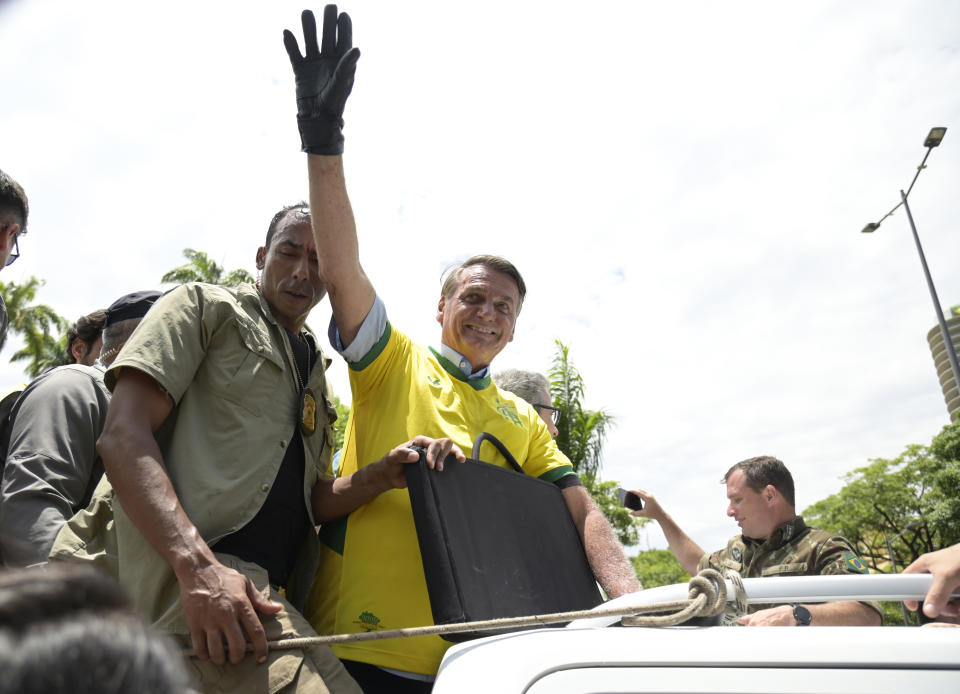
(598, 655)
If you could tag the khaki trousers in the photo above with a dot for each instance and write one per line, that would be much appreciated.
(314, 670)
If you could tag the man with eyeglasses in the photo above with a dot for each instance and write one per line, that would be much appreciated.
(535, 389)
(13, 222)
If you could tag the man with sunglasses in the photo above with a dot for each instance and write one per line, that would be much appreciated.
(13, 222)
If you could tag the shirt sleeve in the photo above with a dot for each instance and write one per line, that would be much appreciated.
(170, 342)
(836, 556)
(371, 330)
(51, 459)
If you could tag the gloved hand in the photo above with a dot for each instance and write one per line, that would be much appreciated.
(324, 79)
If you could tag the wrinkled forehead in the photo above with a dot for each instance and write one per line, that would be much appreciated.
(490, 281)
(295, 229)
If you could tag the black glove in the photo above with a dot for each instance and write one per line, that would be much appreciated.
(324, 79)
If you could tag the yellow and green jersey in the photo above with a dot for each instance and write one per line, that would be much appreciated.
(371, 575)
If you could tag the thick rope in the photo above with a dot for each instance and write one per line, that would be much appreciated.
(707, 597)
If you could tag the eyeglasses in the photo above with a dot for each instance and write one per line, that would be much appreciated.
(15, 252)
(554, 412)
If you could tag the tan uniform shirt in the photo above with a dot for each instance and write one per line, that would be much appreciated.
(228, 366)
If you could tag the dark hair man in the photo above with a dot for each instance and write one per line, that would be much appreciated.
(775, 542)
(217, 438)
(85, 338)
(52, 466)
(13, 223)
(401, 389)
(68, 628)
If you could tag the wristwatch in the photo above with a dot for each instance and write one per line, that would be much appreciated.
(802, 615)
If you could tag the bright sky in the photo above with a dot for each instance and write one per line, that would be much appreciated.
(682, 184)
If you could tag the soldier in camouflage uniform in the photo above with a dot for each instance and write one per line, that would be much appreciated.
(775, 542)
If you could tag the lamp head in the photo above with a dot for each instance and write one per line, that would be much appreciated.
(935, 137)
(870, 228)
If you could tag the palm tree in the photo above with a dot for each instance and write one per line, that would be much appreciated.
(582, 432)
(201, 268)
(581, 436)
(37, 324)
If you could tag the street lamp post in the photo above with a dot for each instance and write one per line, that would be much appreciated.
(933, 139)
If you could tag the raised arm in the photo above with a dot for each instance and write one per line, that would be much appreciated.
(324, 77)
(687, 552)
(219, 602)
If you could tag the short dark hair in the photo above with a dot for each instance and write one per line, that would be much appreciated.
(88, 329)
(56, 591)
(764, 470)
(68, 627)
(302, 209)
(13, 201)
(91, 654)
(494, 262)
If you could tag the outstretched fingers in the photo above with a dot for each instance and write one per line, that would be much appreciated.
(328, 45)
(293, 48)
(344, 33)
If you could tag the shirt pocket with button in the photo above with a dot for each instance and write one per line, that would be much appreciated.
(250, 369)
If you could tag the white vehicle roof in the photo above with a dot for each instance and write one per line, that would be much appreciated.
(688, 659)
(587, 656)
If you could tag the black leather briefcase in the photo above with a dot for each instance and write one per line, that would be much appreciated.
(496, 543)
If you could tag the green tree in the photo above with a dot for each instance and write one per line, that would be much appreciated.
(200, 268)
(911, 501)
(581, 436)
(658, 567)
(37, 324)
(340, 426)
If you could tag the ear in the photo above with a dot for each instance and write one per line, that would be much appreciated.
(261, 257)
(9, 234)
(440, 305)
(770, 493)
(78, 349)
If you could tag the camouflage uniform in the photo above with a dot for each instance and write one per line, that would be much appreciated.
(793, 549)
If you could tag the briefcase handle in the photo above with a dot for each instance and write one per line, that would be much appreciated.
(475, 453)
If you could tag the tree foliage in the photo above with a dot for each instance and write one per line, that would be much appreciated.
(43, 330)
(340, 426)
(581, 432)
(912, 501)
(658, 567)
(200, 268)
(581, 436)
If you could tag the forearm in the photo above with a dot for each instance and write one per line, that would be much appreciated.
(335, 231)
(687, 552)
(336, 498)
(610, 565)
(846, 613)
(134, 466)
